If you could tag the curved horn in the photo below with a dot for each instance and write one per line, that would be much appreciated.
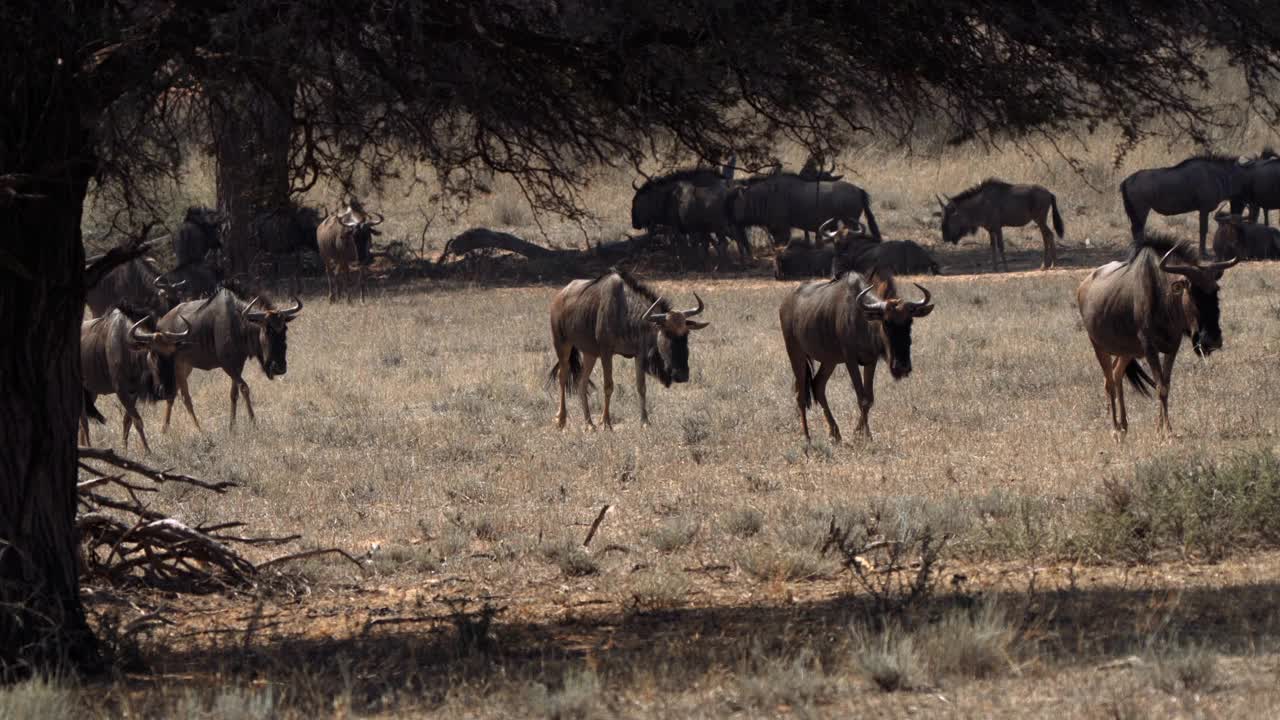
(297, 308)
(822, 229)
(1176, 268)
(252, 316)
(380, 219)
(161, 283)
(344, 215)
(656, 317)
(920, 303)
(634, 186)
(870, 306)
(1221, 265)
(177, 335)
(142, 337)
(696, 311)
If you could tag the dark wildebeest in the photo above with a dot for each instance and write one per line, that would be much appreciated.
(191, 282)
(1260, 185)
(344, 240)
(225, 332)
(851, 248)
(1141, 308)
(196, 236)
(138, 283)
(782, 201)
(995, 204)
(617, 315)
(1198, 184)
(692, 203)
(1243, 238)
(853, 321)
(281, 236)
(128, 357)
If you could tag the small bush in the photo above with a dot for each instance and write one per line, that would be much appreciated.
(889, 659)
(572, 560)
(765, 562)
(660, 590)
(745, 523)
(675, 534)
(972, 643)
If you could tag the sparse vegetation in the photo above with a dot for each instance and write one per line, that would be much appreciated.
(1181, 668)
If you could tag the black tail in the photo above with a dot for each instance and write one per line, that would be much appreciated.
(575, 372)
(804, 386)
(1138, 378)
(871, 218)
(1057, 219)
(91, 409)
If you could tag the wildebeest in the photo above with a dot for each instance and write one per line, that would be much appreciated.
(1260, 185)
(1140, 308)
(690, 202)
(1241, 237)
(1198, 184)
(191, 282)
(196, 236)
(853, 321)
(138, 283)
(615, 314)
(993, 205)
(225, 332)
(344, 240)
(122, 353)
(281, 236)
(782, 201)
(847, 249)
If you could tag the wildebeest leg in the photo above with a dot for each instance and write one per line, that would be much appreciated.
(235, 397)
(181, 374)
(1164, 376)
(562, 378)
(1050, 253)
(588, 364)
(860, 391)
(866, 401)
(999, 241)
(804, 382)
(1204, 230)
(1108, 364)
(640, 377)
(606, 365)
(248, 401)
(360, 276)
(142, 433)
(820, 394)
(1117, 383)
(329, 272)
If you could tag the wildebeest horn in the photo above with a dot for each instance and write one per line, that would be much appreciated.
(822, 229)
(652, 316)
(176, 335)
(143, 336)
(696, 311)
(1220, 266)
(380, 219)
(917, 305)
(342, 217)
(870, 306)
(253, 316)
(634, 186)
(297, 307)
(941, 203)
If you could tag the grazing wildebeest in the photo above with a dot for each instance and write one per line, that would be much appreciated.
(1241, 237)
(196, 236)
(225, 332)
(344, 240)
(615, 314)
(138, 283)
(853, 321)
(690, 202)
(1140, 308)
(782, 201)
(122, 353)
(1198, 184)
(1260, 185)
(993, 205)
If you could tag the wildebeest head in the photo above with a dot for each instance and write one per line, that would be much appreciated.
(1197, 292)
(208, 220)
(360, 227)
(955, 224)
(880, 304)
(158, 381)
(650, 206)
(272, 328)
(169, 292)
(668, 358)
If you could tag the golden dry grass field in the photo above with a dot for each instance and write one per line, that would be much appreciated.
(416, 432)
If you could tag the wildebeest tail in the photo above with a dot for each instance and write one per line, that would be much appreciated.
(804, 386)
(575, 372)
(1057, 217)
(91, 409)
(1138, 378)
(871, 218)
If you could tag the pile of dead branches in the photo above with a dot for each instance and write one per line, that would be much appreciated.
(124, 540)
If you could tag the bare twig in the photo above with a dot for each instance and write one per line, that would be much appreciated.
(596, 525)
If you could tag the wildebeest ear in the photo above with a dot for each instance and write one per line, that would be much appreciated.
(695, 325)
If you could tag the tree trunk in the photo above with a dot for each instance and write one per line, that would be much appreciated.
(42, 622)
(252, 135)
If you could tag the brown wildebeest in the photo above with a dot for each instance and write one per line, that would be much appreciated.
(344, 240)
(853, 321)
(127, 357)
(615, 314)
(225, 332)
(995, 204)
(1140, 308)
(1241, 237)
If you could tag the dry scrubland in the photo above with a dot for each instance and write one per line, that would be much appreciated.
(416, 430)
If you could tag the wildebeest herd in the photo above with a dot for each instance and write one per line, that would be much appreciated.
(151, 329)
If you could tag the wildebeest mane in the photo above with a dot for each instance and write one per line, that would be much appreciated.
(1162, 243)
(967, 193)
(693, 175)
(1218, 158)
(134, 312)
(643, 291)
(824, 177)
(237, 288)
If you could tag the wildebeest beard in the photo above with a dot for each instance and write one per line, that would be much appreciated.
(1208, 334)
(899, 336)
(161, 382)
(656, 366)
(272, 358)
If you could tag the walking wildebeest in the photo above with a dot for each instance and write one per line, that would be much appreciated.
(1198, 184)
(1140, 308)
(852, 321)
(138, 283)
(344, 240)
(993, 205)
(1243, 238)
(126, 356)
(782, 201)
(615, 314)
(692, 203)
(225, 332)
(197, 235)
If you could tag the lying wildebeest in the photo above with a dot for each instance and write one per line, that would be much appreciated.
(1260, 185)
(1198, 184)
(197, 235)
(1141, 308)
(615, 314)
(225, 332)
(344, 240)
(993, 205)
(1243, 238)
(851, 248)
(782, 201)
(122, 353)
(852, 321)
(692, 203)
(137, 283)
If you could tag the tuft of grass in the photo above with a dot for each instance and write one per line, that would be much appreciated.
(745, 523)
(766, 562)
(695, 429)
(1176, 669)
(229, 703)
(889, 659)
(975, 643)
(675, 534)
(509, 210)
(578, 698)
(572, 560)
(797, 682)
(661, 589)
(37, 699)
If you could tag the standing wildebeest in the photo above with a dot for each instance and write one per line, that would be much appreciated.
(852, 321)
(344, 240)
(225, 332)
(994, 205)
(197, 235)
(1241, 237)
(138, 283)
(281, 236)
(1141, 308)
(1260, 185)
(617, 315)
(690, 202)
(782, 201)
(121, 355)
(1198, 184)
